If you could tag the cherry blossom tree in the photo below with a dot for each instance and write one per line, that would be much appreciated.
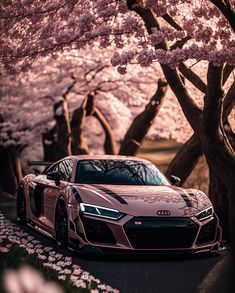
(30, 29)
(207, 122)
(21, 119)
(31, 101)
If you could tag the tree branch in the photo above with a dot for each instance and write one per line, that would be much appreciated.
(227, 11)
(172, 22)
(227, 71)
(110, 146)
(229, 101)
(189, 107)
(192, 77)
(188, 155)
(142, 122)
(213, 100)
(180, 43)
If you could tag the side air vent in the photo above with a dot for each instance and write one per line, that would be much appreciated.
(207, 232)
(98, 231)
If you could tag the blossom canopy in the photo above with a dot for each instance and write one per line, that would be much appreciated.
(194, 30)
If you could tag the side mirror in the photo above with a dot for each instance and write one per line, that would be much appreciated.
(175, 180)
(56, 176)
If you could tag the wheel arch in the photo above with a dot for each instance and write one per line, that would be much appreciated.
(20, 189)
(20, 196)
(60, 198)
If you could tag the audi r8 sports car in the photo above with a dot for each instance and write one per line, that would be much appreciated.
(116, 203)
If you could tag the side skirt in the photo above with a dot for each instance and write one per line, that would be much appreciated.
(33, 225)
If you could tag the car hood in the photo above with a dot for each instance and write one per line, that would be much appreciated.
(145, 200)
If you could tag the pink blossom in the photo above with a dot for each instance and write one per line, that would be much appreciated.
(4, 249)
(28, 280)
(77, 271)
(62, 277)
(47, 248)
(51, 259)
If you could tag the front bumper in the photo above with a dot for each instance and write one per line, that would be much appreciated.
(145, 234)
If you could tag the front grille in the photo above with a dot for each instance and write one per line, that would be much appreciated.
(161, 233)
(207, 232)
(97, 231)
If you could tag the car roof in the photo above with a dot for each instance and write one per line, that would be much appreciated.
(106, 157)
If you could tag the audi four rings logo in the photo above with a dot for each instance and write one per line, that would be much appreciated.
(163, 213)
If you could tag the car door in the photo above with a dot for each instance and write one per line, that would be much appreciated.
(37, 190)
(51, 192)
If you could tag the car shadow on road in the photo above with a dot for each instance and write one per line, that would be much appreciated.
(142, 257)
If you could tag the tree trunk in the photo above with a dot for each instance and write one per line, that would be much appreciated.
(10, 169)
(218, 192)
(62, 133)
(110, 146)
(142, 122)
(185, 159)
(49, 145)
(57, 140)
(79, 146)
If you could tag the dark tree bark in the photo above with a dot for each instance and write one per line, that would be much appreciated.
(57, 140)
(110, 146)
(185, 159)
(218, 191)
(219, 153)
(62, 133)
(227, 10)
(79, 146)
(188, 155)
(218, 194)
(10, 169)
(192, 77)
(142, 122)
(49, 145)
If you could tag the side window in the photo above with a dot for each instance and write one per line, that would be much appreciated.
(65, 167)
(51, 169)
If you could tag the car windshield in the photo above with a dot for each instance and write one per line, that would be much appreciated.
(119, 172)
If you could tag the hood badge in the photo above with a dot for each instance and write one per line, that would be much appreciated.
(163, 213)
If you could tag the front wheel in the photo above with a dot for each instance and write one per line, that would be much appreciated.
(61, 224)
(21, 206)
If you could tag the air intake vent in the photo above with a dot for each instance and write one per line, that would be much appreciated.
(207, 232)
(161, 233)
(98, 231)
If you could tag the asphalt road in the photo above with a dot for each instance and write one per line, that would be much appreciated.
(160, 274)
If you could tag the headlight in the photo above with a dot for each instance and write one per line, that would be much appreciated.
(93, 210)
(205, 214)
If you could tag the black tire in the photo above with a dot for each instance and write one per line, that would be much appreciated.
(21, 206)
(61, 224)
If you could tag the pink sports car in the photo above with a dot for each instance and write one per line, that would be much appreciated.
(117, 204)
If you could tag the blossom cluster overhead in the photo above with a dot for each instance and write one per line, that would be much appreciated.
(37, 28)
